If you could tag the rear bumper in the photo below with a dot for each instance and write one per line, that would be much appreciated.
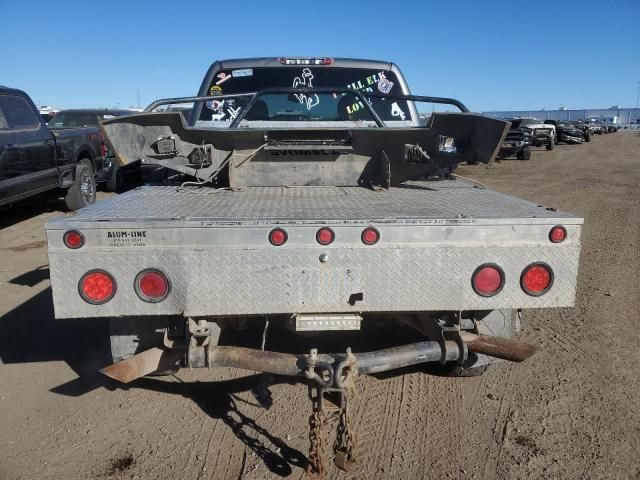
(540, 141)
(511, 148)
(326, 370)
(103, 169)
(571, 138)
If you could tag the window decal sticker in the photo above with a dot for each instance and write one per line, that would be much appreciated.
(396, 111)
(384, 85)
(222, 77)
(218, 109)
(304, 80)
(245, 72)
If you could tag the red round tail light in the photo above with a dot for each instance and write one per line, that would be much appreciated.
(537, 279)
(370, 236)
(151, 286)
(73, 239)
(278, 237)
(325, 236)
(558, 234)
(487, 280)
(97, 287)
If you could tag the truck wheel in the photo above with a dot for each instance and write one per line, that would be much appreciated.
(550, 144)
(587, 137)
(87, 162)
(115, 181)
(83, 191)
(524, 154)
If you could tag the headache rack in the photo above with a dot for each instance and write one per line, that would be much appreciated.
(356, 154)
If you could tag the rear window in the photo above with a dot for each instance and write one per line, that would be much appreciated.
(17, 114)
(300, 107)
(74, 120)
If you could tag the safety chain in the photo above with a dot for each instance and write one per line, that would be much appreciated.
(343, 447)
(316, 467)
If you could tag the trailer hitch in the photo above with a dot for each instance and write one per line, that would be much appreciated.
(326, 374)
(330, 378)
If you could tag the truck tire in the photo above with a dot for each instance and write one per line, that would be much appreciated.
(83, 191)
(524, 154)
(587, 137)
(115, 181)
(549, 145)
(87, 161)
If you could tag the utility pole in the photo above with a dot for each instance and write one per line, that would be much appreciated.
(138, 92)
(638, 97)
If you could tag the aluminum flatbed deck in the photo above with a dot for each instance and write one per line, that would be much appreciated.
(215, 247)
(419, 202)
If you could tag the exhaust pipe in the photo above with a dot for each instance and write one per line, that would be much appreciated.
(498, 347)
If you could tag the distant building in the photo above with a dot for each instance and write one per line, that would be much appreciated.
(625, 117)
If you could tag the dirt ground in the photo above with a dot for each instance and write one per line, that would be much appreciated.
(571, 411)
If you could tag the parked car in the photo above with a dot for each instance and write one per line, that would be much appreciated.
(567, 132)
(597, 127)
(46, 112)
(585, 127)
(541, 134)
(608, 124)
(516, 143)
(35, 159)
(92, 117)
(85, 117)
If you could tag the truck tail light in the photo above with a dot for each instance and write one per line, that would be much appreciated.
(103, 146)
(305, 61)
(73, 239)
(557, 234)
(97, 287)
(152, 286)
(487, 280)
(278, 237)
(370, 236)
(536, 279)
(325, 236)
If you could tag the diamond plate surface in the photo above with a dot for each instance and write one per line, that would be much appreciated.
(247, 281)
(441, 200)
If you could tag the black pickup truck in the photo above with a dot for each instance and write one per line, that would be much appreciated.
(34, 159)
(516, 143)
(107, 173)
(567, 132)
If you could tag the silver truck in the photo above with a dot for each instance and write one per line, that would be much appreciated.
(305, 198)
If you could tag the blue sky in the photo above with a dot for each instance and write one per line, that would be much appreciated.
(491, 55)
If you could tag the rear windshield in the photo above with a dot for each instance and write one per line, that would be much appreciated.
(301, 107)
(78, 119)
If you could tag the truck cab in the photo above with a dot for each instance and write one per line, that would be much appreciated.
(228, 77)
